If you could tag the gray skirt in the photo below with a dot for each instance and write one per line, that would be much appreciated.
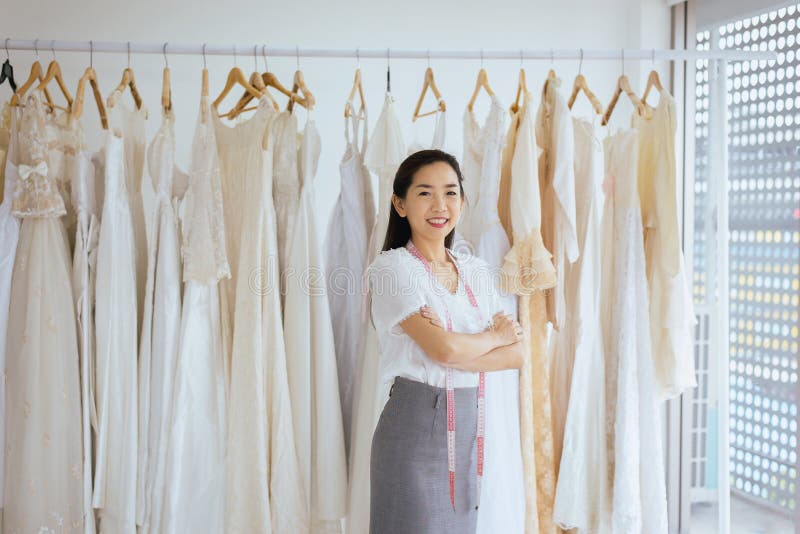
(409, 480)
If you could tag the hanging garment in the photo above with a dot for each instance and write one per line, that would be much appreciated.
(633, 424)
(158, 349)
(578, 369)
(286, 187)
(672, 317)
(503, 494)
(311, 358)
(194, 498)
(346, 245)
(557, 185)
(9, 235)
(527, 270)
(133, 136)
(116, 335)
(385, 151)
(87, 172)
(43, 449)
(264, 487)
(555, 138)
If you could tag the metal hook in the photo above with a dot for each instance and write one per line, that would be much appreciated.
(164, 50)
(429, 58)
(255, 57)
(8, 56)
(204, 56)
(552, 56)
(358, 57)
(297, 56)
(36, 47)
(129, 54)
(388, 70)
(53, 48)
(481, 57)
(264, 55)
(234, 56)
(580, 64)
(623, 61)
(653, 57)
(91, 54)
(521, 58)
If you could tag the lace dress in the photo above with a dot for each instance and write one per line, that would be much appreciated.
(672, 316)
(43, 448)
(633, 424)
(158, 349)
(385, 151)
(346, 258)
(116, 379)
(286, 186)
(311, 359)
(527, 270)
(503, 494)
(582, 492)
(194, 498)
(264, 486)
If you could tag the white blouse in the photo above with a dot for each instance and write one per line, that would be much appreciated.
(399, 286)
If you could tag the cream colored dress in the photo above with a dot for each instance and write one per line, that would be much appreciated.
(672, 316)
(264, 485)
(311, 357)
(527, 271)
(43, 444)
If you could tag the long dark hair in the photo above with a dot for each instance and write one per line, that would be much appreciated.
(398, 232)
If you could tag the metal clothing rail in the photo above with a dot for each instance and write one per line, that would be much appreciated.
(122, 47)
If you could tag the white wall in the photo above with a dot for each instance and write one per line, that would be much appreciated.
(500, 24)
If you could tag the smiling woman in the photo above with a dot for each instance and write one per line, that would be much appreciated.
(431, 308)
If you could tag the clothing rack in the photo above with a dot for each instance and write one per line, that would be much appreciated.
(122, 47)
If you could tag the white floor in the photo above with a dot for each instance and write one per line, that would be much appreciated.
(746, 518)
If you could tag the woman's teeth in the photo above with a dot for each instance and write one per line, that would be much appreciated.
(438, 222)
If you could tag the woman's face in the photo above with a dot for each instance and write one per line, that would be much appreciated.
(433, 201)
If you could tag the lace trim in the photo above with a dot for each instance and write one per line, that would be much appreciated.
(527, 267)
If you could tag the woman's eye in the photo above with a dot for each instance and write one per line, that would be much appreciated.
(423, 193)
(452, 193)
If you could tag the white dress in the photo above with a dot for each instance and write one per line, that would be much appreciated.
(579, 412)
(286, 187)
(87, 172)
(43, 449)
(264, 488)
(672, 318)
(194, 499)
(132, 126)
(9, 234)
(503, 494)
(158, 347)
(346, 245)
(439, 133)
(385, 151)
(633, 419)
(117, 354)
(311, 358)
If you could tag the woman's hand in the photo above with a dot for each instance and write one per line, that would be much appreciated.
(508, 330)
(428, 313)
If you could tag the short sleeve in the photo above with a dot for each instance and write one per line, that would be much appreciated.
(484, 281)
(396, 291)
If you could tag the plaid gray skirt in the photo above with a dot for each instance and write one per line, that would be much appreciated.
(409, 480)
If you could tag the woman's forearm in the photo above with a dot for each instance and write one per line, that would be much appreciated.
(449, 348)
(498, 359)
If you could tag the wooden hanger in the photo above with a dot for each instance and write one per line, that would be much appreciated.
(580, 85)
(128, 81)
(429, 82)
(652, 81)
(36, 75)
(166, 92)
(270, 80)
(54, 73)
(357, 87)
(89, 76)
(482, 82)
(235, 76)
(299, 87)
(522, 90)
(623, 85)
